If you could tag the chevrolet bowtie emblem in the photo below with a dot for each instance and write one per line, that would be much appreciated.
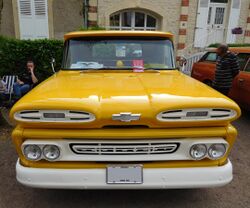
(126, 117)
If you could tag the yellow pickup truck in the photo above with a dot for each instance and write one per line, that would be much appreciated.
(119, 115)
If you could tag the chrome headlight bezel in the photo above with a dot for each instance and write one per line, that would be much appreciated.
(45, 148)
(34, 146)
(211, 148)
(42, 147)
(196, 114)
(192, 149)
(54, 116)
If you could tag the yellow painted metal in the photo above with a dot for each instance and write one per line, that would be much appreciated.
(108, 33)
(104, 93)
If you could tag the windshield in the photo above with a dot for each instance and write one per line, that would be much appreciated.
(118, 53)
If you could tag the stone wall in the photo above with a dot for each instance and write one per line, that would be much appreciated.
(169, 15)
(245, 4)
(167, 12)
(7, 22)
(67, 16)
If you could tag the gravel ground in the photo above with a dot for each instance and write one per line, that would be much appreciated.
(236, 194)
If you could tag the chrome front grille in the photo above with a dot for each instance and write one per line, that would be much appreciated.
(63, 116)
(125, 150)
(196, 114)
(152, 148)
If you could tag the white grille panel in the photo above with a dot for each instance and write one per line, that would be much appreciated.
(124, 149)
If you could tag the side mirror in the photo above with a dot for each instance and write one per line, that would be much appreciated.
(52, 62)
(182, 61)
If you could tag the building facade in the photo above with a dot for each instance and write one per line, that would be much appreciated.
(194, 23)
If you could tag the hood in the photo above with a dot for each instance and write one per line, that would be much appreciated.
(104, 93)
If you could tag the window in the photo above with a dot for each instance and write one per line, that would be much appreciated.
(243, 58)
(133, 20)
(118, 53)
(247, 69)
(209, 15)
(219, 16)
(211, 57)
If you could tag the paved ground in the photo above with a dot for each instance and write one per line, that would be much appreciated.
(236, 194)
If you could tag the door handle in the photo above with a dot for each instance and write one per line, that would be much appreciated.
(241, 82)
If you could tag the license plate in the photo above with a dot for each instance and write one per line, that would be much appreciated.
(124, 174)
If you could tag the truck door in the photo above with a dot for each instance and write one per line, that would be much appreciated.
(241, 85)
(244, 82)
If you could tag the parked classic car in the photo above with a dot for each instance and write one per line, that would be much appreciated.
(204, 70)
(119, 115)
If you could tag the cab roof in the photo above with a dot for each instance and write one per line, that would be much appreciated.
(110, 33)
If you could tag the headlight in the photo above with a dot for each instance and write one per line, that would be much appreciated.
(198, 151)
(216, 151)
(51, 152)
(32, 152)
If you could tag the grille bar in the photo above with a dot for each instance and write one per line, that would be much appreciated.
(123, 149)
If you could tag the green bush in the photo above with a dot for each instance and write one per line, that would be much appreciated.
(93, 28)
(215, 45)
(15, 53)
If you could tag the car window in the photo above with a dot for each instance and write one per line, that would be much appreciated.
(118, 53)
(247, 69)
(211, 57)
(243, 57)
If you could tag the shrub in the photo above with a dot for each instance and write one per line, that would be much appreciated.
(14, 54)
(215, 45)
(93, 28)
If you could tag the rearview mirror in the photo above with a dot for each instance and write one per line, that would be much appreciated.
(182, 61)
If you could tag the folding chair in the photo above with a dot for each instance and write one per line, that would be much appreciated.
(9, 80)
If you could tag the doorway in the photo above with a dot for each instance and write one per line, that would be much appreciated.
(216, 21)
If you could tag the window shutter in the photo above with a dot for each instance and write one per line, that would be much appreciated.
(33, 19)
(25, 7)
(201, 24)
(236, 4)
(40, 7)
(233, 20)
(204, 3)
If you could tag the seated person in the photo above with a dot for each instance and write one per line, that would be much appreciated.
(3, 91)
(25, 81)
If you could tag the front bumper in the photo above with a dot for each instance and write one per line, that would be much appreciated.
(153, 178)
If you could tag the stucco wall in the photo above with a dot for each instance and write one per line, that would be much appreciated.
(67, 16)
(192, 15)
(7, 21)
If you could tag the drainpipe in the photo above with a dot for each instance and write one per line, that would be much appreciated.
(85, 8)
